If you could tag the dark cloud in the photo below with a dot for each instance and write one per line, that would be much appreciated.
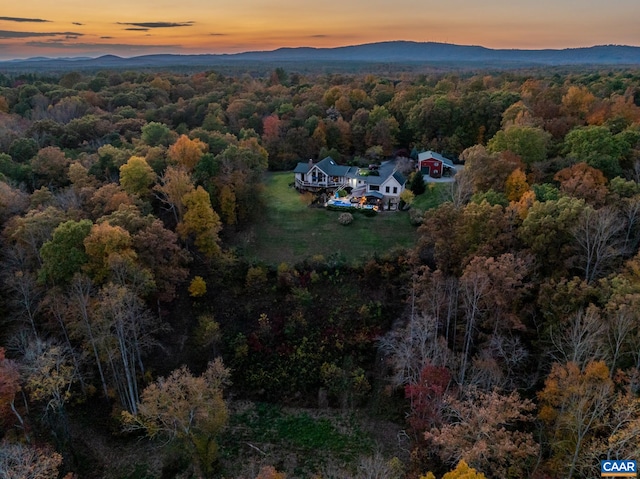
(318, 36)
(106, 38)
(137, 29)
(12, 34)
(157, 24)
(77, 23)
(103, 48)
(218, 34)
(24, 20)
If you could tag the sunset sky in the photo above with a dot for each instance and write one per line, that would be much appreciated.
(66, 28)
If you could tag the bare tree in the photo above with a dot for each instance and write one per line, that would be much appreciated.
(460, 190)
(26, 296)
(126, 327)
(80, 294)
(581, 339)
(410, 348)
(599, 241)
(622, 323)
(474, 285)
(631, 214)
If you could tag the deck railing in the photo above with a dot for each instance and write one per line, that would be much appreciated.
(319, 184)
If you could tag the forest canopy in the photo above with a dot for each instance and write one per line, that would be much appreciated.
(505, 342)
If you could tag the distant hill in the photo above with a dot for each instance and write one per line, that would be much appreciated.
(396, 52)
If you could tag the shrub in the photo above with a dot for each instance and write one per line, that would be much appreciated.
(345, 219)
(367, 212)
(416, 216)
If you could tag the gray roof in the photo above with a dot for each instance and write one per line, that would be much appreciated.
(331, 168)
(385, 170)
(302, 168)
(399, 177)
(375, 194)
(328, 165)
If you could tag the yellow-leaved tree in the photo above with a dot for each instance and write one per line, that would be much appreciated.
(187, 409)
(201, 222)
(136, 176)
(462, 471)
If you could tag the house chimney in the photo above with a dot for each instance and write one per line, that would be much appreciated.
(310, 162)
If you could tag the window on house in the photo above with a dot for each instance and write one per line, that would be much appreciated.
(386, 190)
(374, 187)
(395, 190)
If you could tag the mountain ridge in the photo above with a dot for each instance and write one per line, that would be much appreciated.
(397, 51)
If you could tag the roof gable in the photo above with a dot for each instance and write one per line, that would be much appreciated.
(331, 168)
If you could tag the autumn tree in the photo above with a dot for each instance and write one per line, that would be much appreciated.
(13, 201)
(22, 461)
(619, 439)
(104, 245)
(187, 409)
(50, 166)
(187, 152)
(49, 373)
(228, 205)
(573, 406)
(136, 176)
(462, 471)
(516, 185)
(158, 251)
(107, 199)
(31, 231)
(583, 181)
(174, 184)
(578, 102)
(270, 472)
(427, 398)
(201, 222)
(485, 430)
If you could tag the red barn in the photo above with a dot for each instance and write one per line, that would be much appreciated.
(434, 164)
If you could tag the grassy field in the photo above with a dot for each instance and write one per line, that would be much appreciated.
(432, 197)
(290, 231)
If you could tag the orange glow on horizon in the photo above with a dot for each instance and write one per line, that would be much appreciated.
(76, 28)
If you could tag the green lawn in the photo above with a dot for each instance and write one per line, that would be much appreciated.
(290, 231)
(432, 197)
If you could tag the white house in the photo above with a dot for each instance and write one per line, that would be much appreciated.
(382, 182)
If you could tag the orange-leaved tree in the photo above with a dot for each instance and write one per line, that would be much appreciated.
(187, 152)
